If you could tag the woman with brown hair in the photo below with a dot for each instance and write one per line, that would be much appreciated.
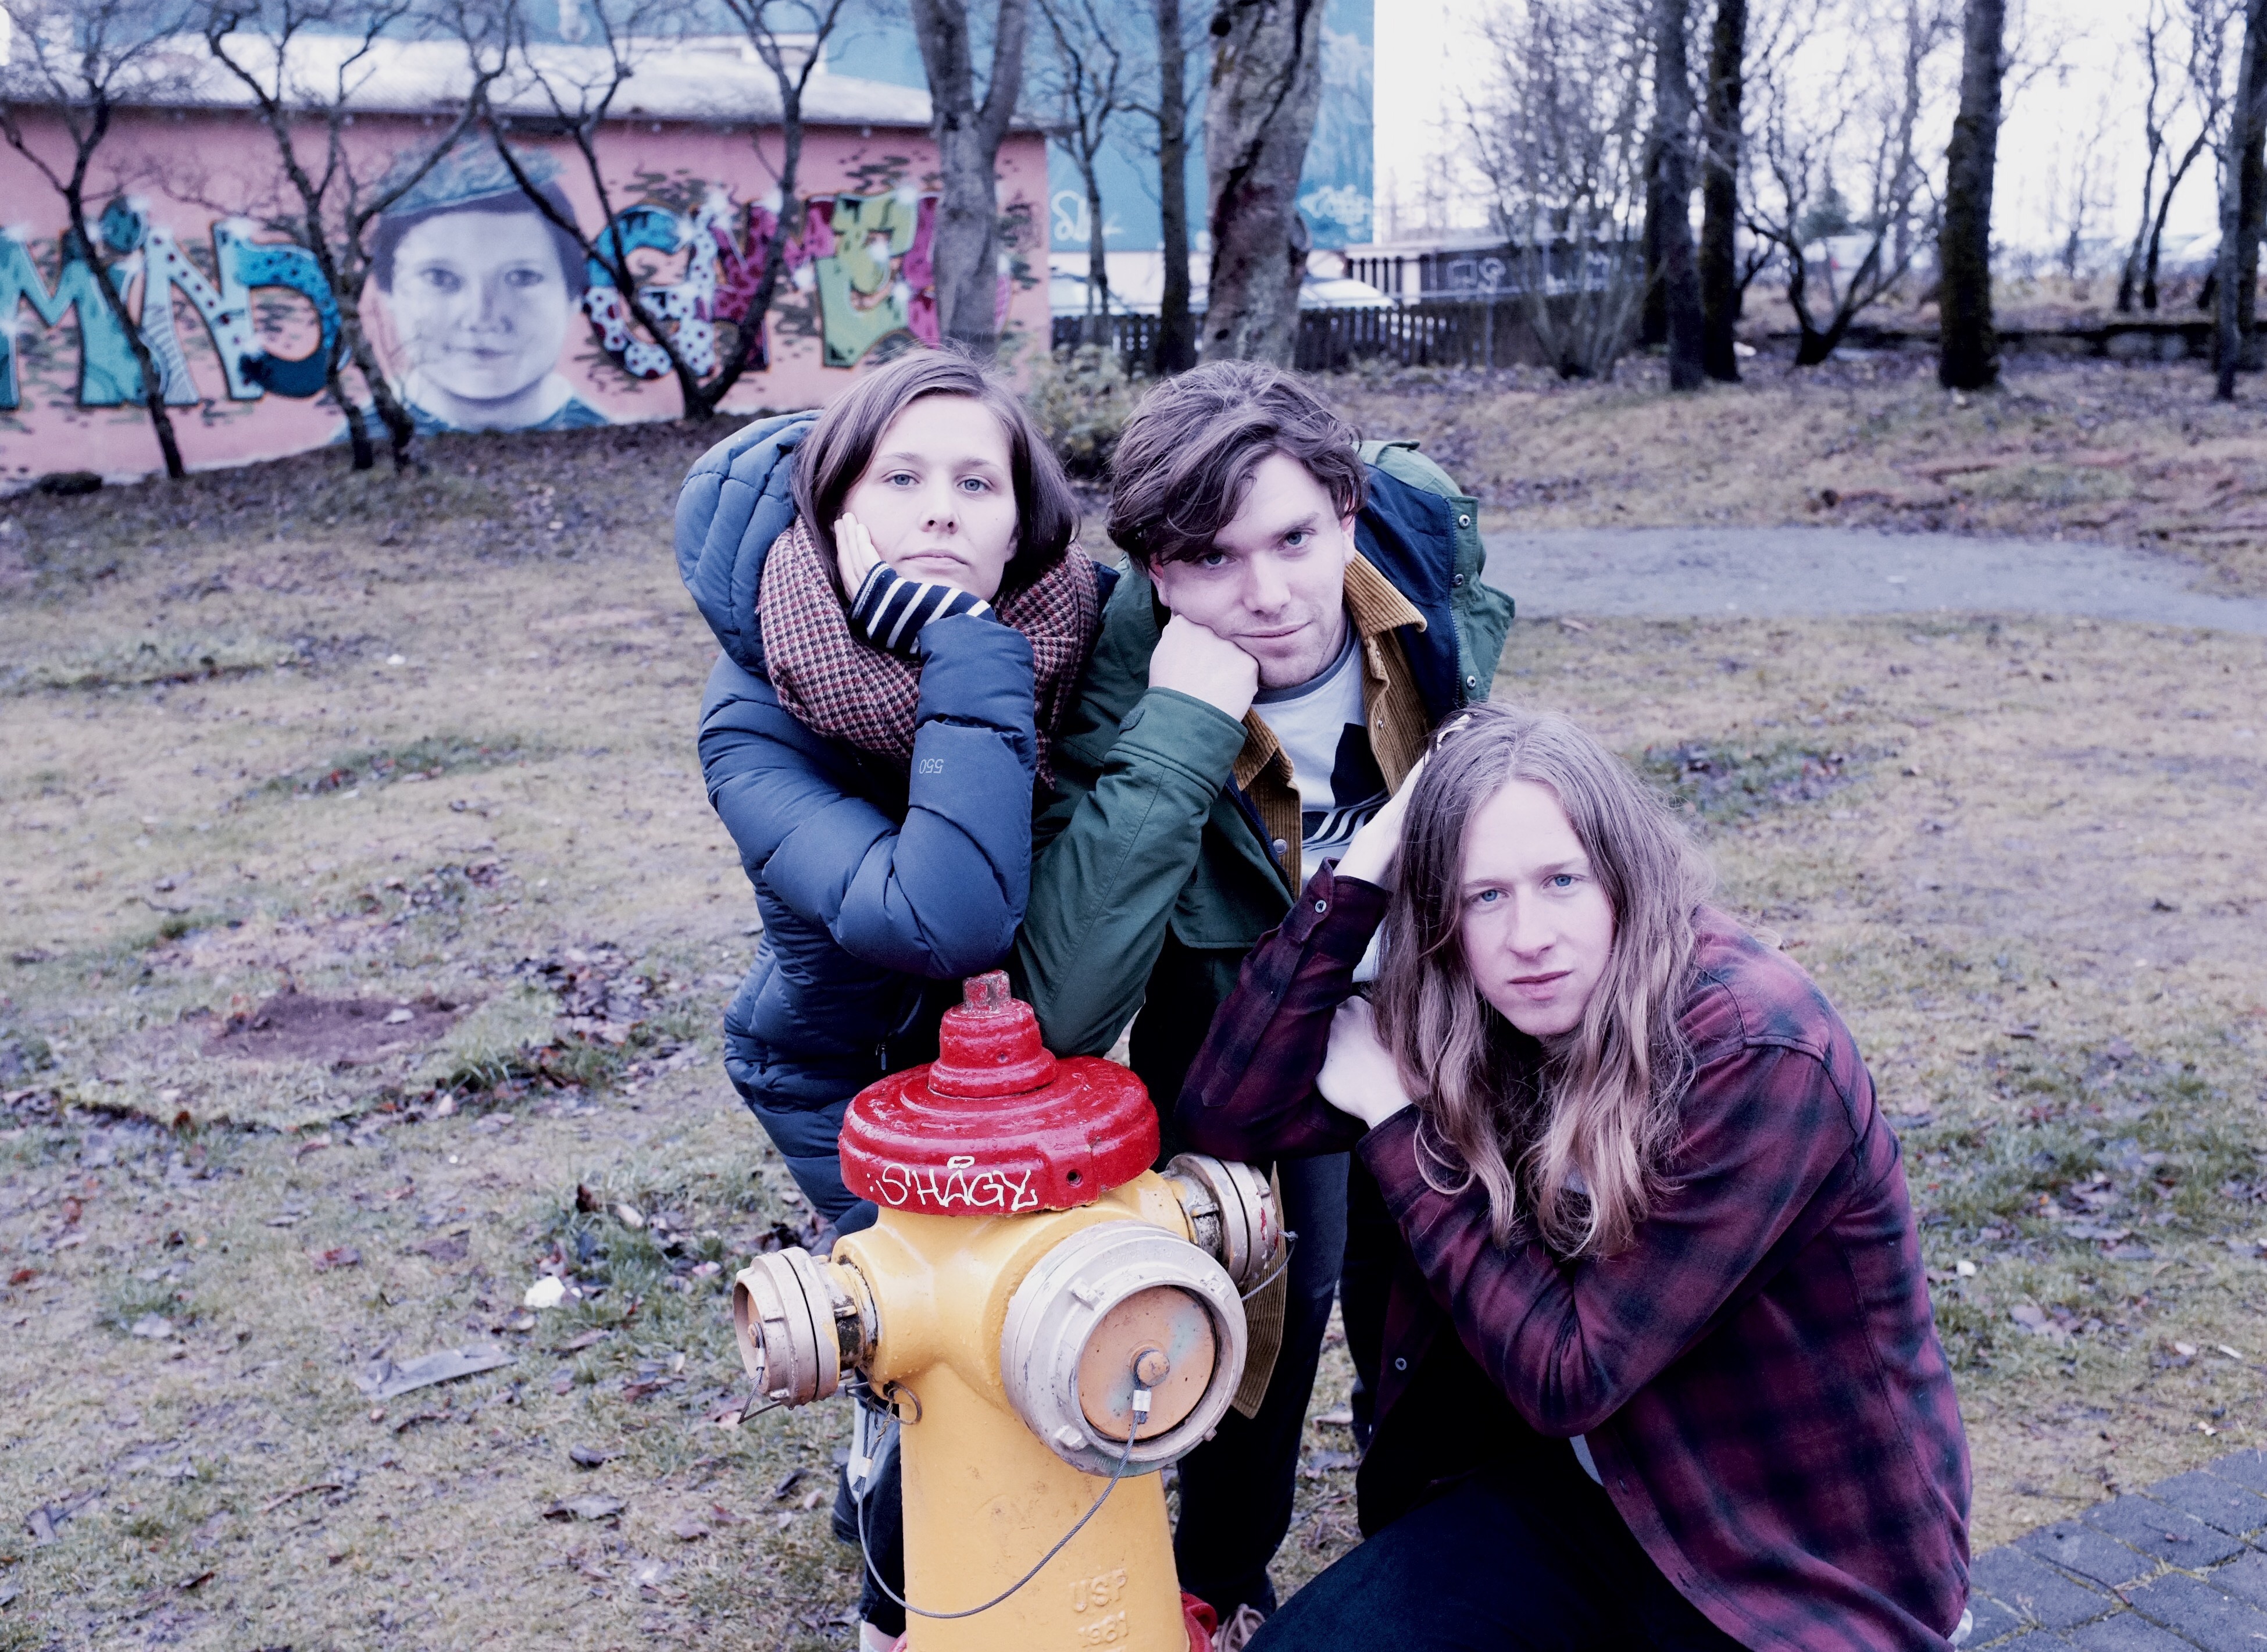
(1660, 1366)
(903, 615)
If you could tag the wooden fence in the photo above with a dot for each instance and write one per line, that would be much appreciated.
(1331, 341)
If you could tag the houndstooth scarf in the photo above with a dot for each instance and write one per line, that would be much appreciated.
(837, 684)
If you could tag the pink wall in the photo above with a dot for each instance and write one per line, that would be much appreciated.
(481, 326)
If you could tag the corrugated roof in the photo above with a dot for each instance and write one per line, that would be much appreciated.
(713, 79)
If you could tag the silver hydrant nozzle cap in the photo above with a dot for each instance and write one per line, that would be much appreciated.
(784, 1321)
(1232, 1211)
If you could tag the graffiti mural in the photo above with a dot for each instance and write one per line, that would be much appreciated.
(869, 258)
(479, 290)
(864, 258)
(724, 247)
(108, 375)
(484, 310)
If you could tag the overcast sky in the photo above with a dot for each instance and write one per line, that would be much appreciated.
(1426, 59)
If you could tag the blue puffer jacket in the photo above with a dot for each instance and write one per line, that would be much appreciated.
(877, 890)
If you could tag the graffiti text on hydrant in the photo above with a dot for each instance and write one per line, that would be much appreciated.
(961, 1184)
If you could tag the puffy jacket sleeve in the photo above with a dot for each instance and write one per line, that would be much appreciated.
(939, 893)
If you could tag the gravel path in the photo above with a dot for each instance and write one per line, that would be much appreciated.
(1675, 572)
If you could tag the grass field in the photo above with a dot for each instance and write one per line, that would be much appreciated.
(426, 750)
(2129, 454)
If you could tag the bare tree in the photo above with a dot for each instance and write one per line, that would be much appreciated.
(1260, 117)
(789, 37)
(1720, 285)
(2202, 90)
(1560, 135)
(2243, 206)
(574, 91)
(968, 133)
(1169, 112)
(304, 63)
(1861, 97)
(2082, 188)
(1672, 147)
(1968, 353)
(1089, 82)
(82, 61)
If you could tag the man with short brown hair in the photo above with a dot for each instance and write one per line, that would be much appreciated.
(1307, 610)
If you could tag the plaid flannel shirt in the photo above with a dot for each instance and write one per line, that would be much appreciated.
(1760, 1376)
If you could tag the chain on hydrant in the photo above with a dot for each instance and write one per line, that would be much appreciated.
(1050, 1321)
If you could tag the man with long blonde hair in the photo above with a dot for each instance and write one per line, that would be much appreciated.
(1661, 1368)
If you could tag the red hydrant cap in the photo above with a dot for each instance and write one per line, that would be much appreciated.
(995, 1126)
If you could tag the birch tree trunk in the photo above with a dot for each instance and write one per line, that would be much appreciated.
(968, 135)
(1969, 355)
(1266, 86)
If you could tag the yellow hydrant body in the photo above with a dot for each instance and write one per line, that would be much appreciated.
(985, 1497)
(1037, 1352)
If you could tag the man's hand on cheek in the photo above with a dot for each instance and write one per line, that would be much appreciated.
(1204, 665)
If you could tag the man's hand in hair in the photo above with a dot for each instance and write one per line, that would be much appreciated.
(1204, 665)
(1359, 1076)
(1377, 847)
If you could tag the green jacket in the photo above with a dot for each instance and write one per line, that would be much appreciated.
(1152, 878)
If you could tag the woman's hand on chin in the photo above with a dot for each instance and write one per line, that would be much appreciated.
(855, 555)
(1358, 1075)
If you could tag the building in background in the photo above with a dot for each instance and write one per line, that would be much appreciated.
(1335, 195)
(486, 316)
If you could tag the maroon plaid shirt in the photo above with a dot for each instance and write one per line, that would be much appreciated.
(1760, 1376)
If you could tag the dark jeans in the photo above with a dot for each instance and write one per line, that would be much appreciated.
(1365, 1284)
(1237, 1488)
(885, 1537)
(1521, 1557)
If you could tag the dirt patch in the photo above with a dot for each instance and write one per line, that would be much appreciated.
(297, 1026)
(1734, 781)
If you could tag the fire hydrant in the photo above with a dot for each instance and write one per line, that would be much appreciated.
(1050, 1320)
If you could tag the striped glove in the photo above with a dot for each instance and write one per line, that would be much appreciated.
(891, 609)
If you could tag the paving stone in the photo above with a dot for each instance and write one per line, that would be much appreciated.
(2214, 1622)
(2129, 1633)
(2212, 1500)
(1993, 1620)
(2165, 1532)
(2245, 1468)
(2036, 1590)
(2245, 1575)
(2078, 1548)
(2034, 1641)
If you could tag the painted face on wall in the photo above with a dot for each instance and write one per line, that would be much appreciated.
(938, 497)
(481, 305)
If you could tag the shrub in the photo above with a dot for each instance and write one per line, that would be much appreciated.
(1081, 400)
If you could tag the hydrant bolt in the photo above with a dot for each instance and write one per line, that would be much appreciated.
(1151, 1367)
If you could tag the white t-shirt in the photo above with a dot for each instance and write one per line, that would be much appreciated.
(1323, 726)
